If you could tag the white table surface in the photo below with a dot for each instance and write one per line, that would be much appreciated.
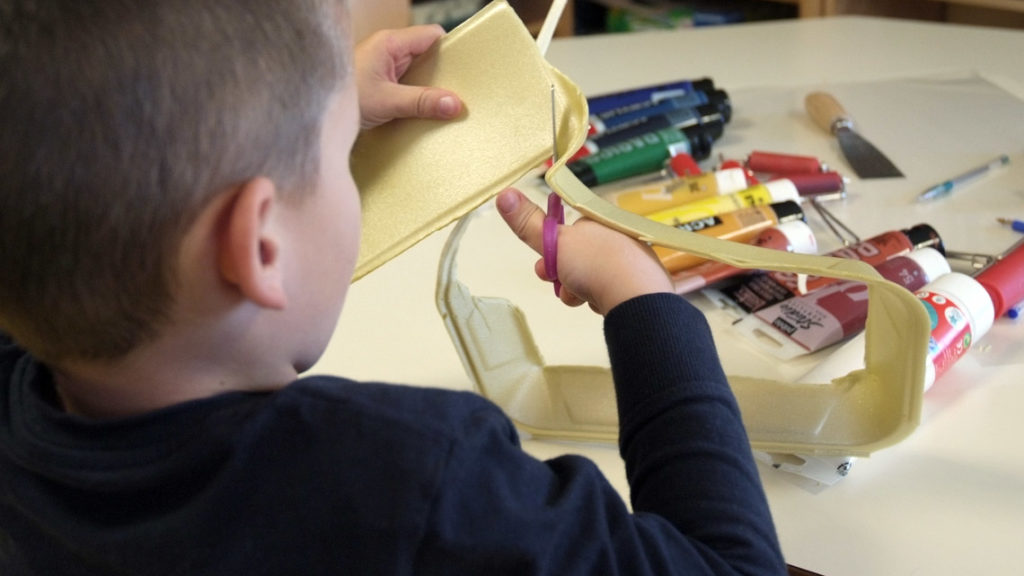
(950, 498)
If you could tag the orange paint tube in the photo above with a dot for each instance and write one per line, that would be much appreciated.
(741, 225)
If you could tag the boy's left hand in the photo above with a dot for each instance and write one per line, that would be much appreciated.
(381, 60)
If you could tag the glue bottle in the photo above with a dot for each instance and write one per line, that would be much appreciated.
(961, 312)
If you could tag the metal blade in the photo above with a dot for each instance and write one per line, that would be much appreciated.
(866, 160)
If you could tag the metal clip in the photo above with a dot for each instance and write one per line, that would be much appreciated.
(978, 262)
(834, 224)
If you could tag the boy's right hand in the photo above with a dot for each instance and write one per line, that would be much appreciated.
(596, 264)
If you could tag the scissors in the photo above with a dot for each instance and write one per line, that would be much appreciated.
(555, 216)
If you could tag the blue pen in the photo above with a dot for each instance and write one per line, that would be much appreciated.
(1016, 225)
(945, 188)
(1014, 312)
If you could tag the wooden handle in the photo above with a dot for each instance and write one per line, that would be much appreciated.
(826, 111)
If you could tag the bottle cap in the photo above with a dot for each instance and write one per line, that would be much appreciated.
(932, 263)
(781, 189)
(971, 295)
(923, 235)
(801, 237)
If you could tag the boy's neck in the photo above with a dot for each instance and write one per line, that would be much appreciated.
(159, 375)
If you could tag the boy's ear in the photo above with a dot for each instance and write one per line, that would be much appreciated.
(249, 251)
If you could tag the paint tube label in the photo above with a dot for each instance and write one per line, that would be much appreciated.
(737, 225)
(754, 196)
(821, 318)
(951, 334)
(630, 114)
(768, 288)
(826, 316)
(635, 156)
(649, 199)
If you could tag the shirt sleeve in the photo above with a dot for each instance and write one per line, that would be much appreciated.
(688, 458)
(698, 504)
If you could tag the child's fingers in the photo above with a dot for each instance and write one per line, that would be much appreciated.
(401, 101)
(524, 217)
(414, 40)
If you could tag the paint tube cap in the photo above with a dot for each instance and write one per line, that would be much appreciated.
(713, 127)
(708, 113)
(923, 235)
(678, 118)
(719, 99)
(730, 180)
(781, 190)
(932, 263)
(799, 235)
(700, 141)
(682, 164)
(970, 296)
(787, 211)
(703, 84)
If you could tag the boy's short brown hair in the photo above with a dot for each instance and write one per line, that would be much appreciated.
(119, 121)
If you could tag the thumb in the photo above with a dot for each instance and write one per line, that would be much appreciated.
(524, 217)
(426, 102)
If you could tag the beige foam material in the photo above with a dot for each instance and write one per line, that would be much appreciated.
(419, 176)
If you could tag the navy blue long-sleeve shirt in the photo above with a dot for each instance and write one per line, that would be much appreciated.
(330, 476)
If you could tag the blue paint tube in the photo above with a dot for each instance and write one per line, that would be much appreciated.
(652, 93)
(604, 122)
(704, 114)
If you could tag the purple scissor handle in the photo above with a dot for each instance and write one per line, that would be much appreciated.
(554, 218)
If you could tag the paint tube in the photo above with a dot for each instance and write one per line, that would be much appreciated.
(793, 236)
(818, 319)
(764, 289)
(665, 194)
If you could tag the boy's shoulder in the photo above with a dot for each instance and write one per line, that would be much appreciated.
(421, 410)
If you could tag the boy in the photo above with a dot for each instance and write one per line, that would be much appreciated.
(178, 227)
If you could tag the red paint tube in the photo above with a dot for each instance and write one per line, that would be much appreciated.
(794, 236)
(765, 289)
(1004, 280)
(784, 164)
(819, 319)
